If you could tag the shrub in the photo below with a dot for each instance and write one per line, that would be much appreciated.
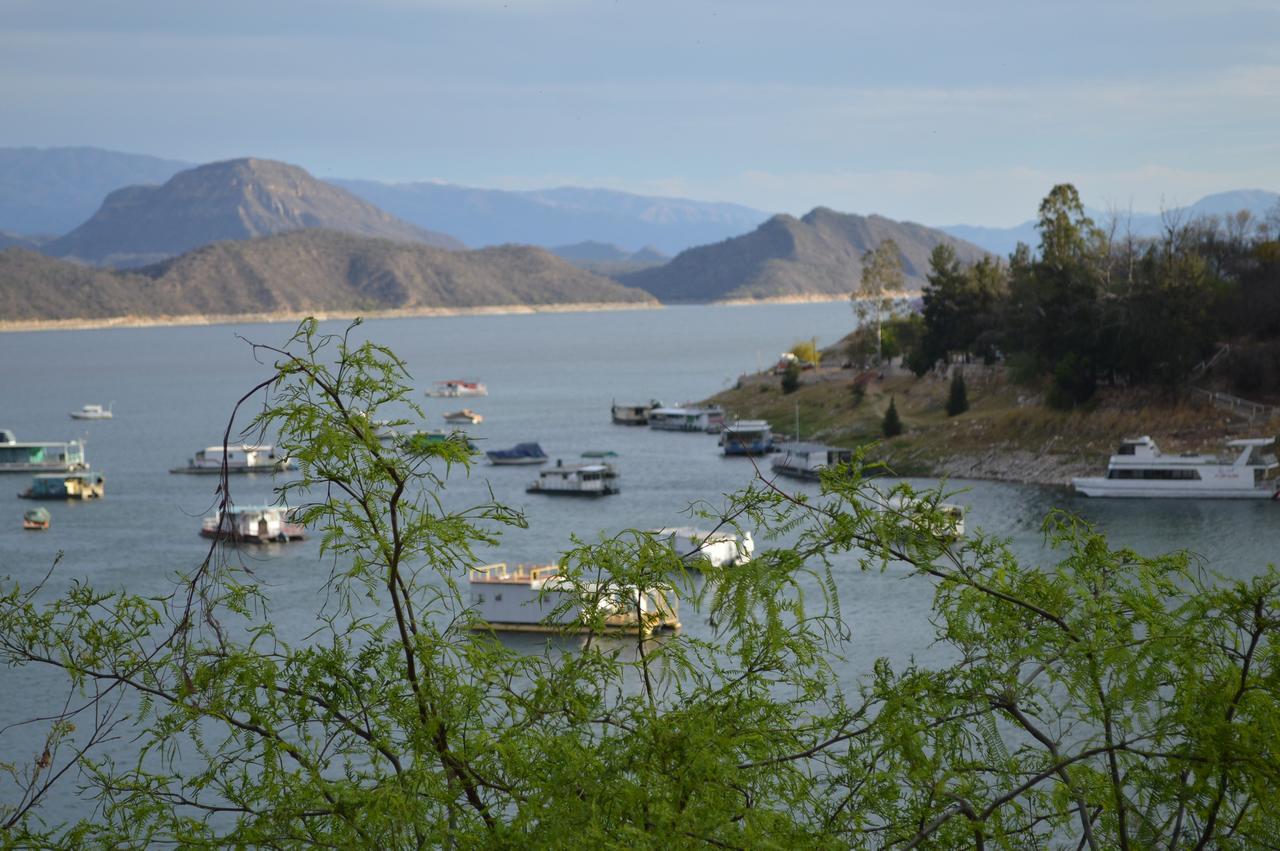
(891, 426)
(958, 398)
(806, 351)
(791, 378)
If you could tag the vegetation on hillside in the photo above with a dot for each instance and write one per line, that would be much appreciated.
(1110, 700)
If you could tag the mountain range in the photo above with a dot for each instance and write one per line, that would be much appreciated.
(235, 199)
(819, 255)
(301, 271)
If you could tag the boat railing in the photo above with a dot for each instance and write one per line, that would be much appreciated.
(1253, 410)
(521, 573)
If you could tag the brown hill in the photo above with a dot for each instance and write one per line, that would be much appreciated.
(818, 255)
(299, 272)
(236, 199)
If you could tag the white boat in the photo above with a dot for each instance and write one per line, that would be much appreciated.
(453, 389)
(599, 479)
(694, 545)
(254, 524)
(81, 485)
(687, 418)
(947, 523)
(93, 412)
(40, 456)
(746, 437)
(466, 415)
(1140, 469)
(808, 460)
(636, 415)
(525, 599)
(242, 458)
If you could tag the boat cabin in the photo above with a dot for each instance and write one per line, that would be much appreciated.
(242, 458)
(697, 545)
(597, 479)
(258, 524)
(83, 485)
(630, 414)
(38, 456)
(807, 460)
(710, 418)
(747, 437)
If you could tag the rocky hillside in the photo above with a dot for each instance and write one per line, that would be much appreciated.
(236, 199)
(298, 272)
(786, 257)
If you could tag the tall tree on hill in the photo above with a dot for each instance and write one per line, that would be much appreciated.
(881, 277)
(960, 304)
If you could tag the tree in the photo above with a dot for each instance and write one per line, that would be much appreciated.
(791, 378)
(807, 351)
(881, 280)
(891, 425)
(958, 396)
(1114, 700)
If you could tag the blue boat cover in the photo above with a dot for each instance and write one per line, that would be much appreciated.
(520, 450)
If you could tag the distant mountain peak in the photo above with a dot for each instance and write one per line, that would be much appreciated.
(233, 199)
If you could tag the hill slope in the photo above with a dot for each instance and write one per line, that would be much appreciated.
(818, 255)
(51, 190)
(303, 271)
(551, 217)
(236, 199)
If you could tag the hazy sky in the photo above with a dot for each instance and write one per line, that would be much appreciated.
(938, 112)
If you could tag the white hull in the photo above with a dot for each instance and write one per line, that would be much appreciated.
(1110, 488)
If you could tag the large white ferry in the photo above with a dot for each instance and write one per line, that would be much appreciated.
(1140, 469)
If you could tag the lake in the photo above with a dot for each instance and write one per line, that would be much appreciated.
(551, 378)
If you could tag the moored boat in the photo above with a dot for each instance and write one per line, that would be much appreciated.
(78, 485)
(687, 418)
(520, 454)
(721, 548)
(526, 599)
(746, 437)
(1140, 469)
(636, 415)
(453, 389)
(466, 415)
(253, 524)
(596, 479)
(36, 519)
(39, 456)
(808, 460)
(242, 458)
(93, 412)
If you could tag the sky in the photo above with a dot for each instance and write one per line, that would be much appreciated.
(941, 113)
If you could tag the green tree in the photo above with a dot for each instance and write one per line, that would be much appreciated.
(881, 279)
(957, 396)
(891, 425)
(791, 378)
(1112, 700)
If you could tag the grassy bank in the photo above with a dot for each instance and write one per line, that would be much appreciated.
(1007, 433)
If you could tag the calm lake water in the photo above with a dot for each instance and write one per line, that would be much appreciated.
(551, 378)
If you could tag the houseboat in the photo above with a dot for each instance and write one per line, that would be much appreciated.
(253, 524)
(595, 479)
(635, 415)
(520, 454)
(808, 460)
(687, 418)
(1140, 469)
(453, 389)
(466, 415)
(39, 456)
(81, 485)
(93, 412)
(244, 458)
(36, 519)
(746, 437)
(525, 599)
(722, 549)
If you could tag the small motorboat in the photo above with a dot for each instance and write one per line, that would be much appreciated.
(466, 415)
(93, 412)
(521, 453)
(36, 519)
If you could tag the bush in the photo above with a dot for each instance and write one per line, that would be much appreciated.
(806, 351)
(918, 361)
(891, 426)
(958, 399)
(791, 378)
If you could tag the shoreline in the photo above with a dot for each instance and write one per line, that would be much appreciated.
(133, 321)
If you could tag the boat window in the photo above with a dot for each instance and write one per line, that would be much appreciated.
(1155, 475)
(1127, 449)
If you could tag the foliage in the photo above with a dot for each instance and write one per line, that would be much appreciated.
(807, 351)
(1109, 701)
(882, 277)
(891, 425)
(791, 378)
(957, 396)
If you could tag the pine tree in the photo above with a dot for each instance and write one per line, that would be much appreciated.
(892, 425)
(958, 400)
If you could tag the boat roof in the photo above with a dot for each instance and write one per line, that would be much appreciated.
(246, 509)
(687, 409)
(241, 447)
(808, 448)
(80, 474)
(1252, 441)
(7, 438)
(744, 425)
